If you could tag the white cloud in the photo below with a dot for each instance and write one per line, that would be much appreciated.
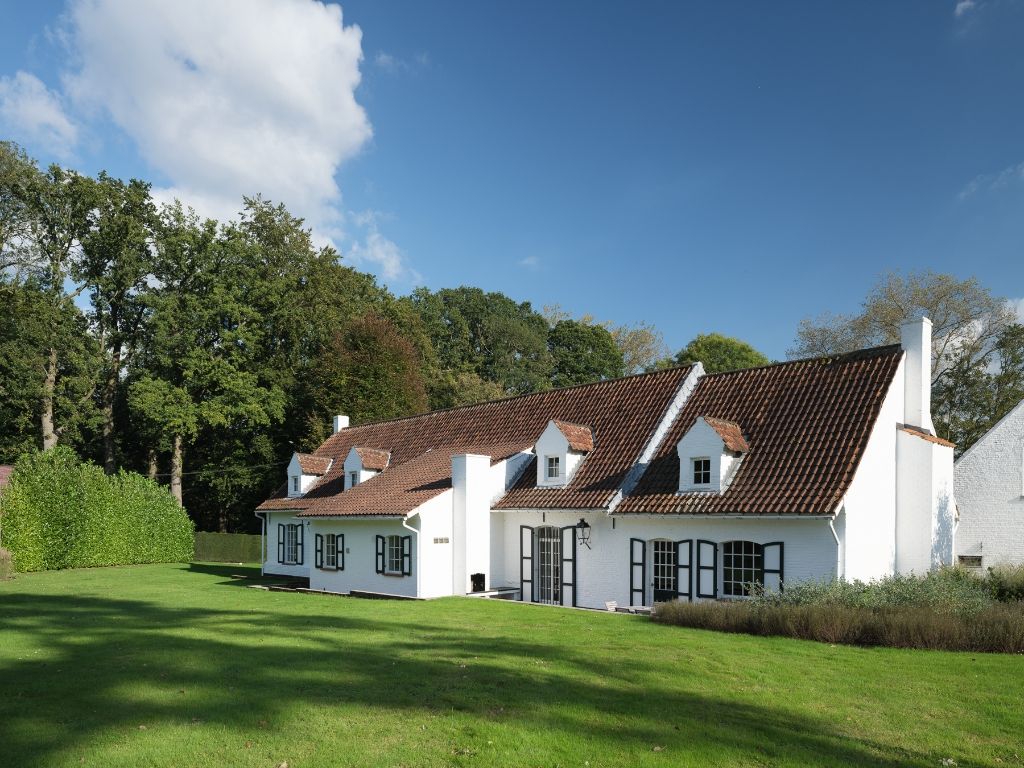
(383, 256)
(530, 262)
(964, 7)
(34, 114)
(229, 98)
(985, 182)
(1018, 307)
(394, 65)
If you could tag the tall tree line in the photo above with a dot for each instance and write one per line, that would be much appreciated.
(202, 353)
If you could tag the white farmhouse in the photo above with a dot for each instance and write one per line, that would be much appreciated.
(667, 485)
(990, 496)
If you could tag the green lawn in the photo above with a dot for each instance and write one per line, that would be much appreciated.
(180, 665)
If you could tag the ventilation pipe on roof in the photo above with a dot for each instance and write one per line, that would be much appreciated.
(340, 423)
(916, 340)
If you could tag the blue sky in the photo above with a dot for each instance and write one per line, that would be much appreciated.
(702, 167)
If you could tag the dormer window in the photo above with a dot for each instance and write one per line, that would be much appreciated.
(553, 467)
(710, 454)
(362, 463)
(560, 449)
(353, 479)
(305, 471)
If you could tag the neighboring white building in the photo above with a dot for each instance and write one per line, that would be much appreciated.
(990, 496)
(673, 484)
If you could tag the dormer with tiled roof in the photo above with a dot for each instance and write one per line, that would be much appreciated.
(362, 463)
(709, 454)
(304, 471)
(560, 449)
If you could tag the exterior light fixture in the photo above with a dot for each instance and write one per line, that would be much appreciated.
(583, 528)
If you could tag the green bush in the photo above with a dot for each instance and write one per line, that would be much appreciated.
(995, 628)
(228, 547)
(946, 590)
(58, 512)
(1005, 582)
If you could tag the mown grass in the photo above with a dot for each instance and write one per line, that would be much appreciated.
(167, 665)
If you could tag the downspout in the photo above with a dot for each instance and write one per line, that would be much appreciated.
(839, 544)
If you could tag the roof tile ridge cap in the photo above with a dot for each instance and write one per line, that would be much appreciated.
(509, 398)
(661, 432)
(839, 357)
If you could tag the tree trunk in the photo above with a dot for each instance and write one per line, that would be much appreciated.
(49, 389)
(177, 459)
(222, 520)
(109, 395)
(152, 468)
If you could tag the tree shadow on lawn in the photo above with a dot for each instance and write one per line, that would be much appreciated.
(108, 665)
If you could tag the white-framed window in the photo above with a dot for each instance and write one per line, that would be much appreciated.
(331, 550)
(353, 479)
(742, 567)
(554, 467)
(702, 471)
(295, 483)
(393, 560)
(291, 544)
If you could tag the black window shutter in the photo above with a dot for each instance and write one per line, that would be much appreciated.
(407, 555)
(280, 542)
(299, 544)
(380, 554)
(637, 571)
(318, 551)
(341, 551)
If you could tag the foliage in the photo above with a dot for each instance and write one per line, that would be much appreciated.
(6, 564)
(1005, 582)
(719, 353)
(997, 628)
(946, 590)
(217, 674)
(583, 353)
(228, 547)
(58, 512)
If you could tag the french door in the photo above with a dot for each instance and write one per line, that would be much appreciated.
(548, 556)
(666, 576)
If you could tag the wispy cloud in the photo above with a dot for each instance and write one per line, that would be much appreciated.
(1018, 307)
(991, 182)
(963, 7)
(35, 115)
(395, 65)
(530, 262)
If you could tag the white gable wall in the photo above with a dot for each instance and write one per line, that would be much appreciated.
(990, 494)
(869, 538)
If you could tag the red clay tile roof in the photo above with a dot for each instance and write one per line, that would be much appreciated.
(5, 474)
(622, 414)
(730, 433)
(580, 437)
(925, 436)
(373, 458)
(313, 465)
(807, 423)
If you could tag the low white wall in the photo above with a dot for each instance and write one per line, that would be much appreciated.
(361, 557)
(603, 570)
(270, 565)
(990, 494)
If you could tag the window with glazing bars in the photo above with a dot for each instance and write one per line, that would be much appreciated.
(394, 551)
(701, 471)
(742, 567)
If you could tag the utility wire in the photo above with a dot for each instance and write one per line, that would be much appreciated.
(225, 470)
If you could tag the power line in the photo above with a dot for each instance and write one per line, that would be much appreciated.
(221, 471)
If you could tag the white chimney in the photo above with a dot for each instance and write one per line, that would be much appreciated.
(340, 423)
(916, 340)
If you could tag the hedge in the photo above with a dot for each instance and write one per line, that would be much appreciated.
(58, 512)
(228, 547)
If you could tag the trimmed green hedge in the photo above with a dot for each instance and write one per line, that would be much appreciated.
(58, 512)
(228, 547)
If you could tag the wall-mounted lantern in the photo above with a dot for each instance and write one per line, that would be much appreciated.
(583, 531)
